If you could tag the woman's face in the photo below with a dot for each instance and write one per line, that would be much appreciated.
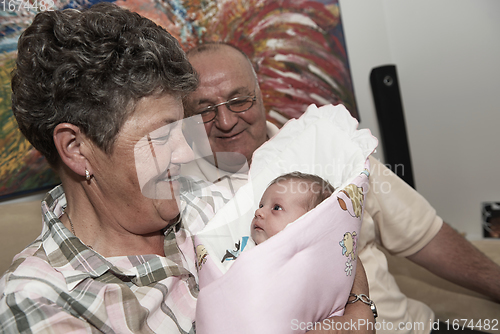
(136, 185)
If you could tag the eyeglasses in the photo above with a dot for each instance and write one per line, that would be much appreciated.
(236, 105)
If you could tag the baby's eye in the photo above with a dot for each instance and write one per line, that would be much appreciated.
(261, 206)
(277, 207)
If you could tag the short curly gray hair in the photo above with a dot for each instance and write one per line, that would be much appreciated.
(89, 68)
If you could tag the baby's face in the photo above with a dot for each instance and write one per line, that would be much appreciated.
(281, 204)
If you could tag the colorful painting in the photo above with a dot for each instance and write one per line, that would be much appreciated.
(297, 47)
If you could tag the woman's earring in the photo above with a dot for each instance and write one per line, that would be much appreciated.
(87, 175)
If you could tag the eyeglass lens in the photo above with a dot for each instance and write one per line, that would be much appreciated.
(235, 105)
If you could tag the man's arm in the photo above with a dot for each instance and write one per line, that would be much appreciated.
(452, 257)
(358, 313)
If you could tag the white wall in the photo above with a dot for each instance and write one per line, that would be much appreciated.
(447, 55)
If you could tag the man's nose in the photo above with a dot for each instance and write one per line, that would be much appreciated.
(225, 119)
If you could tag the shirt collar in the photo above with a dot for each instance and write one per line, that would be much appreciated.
(216, 175)
(76, 262)
(65, 252)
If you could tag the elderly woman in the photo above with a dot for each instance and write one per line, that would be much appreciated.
(88, 88)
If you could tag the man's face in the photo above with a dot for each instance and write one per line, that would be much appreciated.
(226, 74)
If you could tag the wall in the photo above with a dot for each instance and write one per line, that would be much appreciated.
(447, 54)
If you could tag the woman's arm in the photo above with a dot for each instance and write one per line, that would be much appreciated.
(358, 317)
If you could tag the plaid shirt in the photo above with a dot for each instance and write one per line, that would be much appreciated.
(59, 285)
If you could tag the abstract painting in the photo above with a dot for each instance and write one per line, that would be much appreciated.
(297, 47)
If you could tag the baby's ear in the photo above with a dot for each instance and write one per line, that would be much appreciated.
(68, 140)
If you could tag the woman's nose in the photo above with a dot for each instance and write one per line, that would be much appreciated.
(182, 152)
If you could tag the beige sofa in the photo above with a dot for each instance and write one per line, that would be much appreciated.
(449, 301)
(21, 223)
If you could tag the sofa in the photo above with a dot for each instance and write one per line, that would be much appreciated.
(449, 301)
(21, 223)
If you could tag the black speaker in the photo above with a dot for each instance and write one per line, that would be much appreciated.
(391, 120)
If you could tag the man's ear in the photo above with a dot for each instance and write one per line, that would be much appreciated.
(68, 140)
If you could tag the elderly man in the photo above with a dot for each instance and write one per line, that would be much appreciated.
(230, 102)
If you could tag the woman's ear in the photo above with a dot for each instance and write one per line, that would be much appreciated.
(68, 140)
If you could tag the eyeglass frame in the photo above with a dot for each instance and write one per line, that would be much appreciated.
(228, 106)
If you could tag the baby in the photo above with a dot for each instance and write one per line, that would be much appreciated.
(287, 198)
